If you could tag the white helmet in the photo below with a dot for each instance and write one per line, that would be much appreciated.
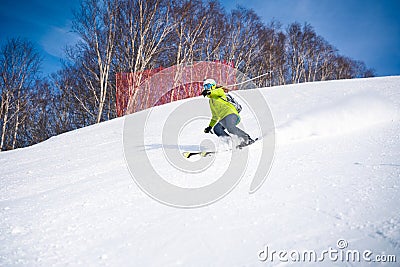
(209, 84)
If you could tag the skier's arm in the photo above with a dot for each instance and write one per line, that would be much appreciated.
(214, 118)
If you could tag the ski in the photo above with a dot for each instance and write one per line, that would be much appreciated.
(200, 153)
(242, 146)
(203, 154)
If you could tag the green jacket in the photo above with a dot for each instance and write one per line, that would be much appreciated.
(220, 107)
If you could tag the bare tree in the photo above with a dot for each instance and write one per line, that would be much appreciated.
(73, 104)
(143, 27)
(216, 34)
(298, 50)
(39, 123)
(19, 64)
(273, 57)
(191, 19)
(95, 23)
(244, 44)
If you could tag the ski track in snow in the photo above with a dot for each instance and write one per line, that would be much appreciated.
(336, 175)
(351, 113)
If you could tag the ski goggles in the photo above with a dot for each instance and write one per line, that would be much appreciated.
(207, 86)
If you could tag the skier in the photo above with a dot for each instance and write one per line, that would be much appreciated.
(224, 114)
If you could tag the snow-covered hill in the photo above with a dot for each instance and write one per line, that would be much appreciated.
(333, 189)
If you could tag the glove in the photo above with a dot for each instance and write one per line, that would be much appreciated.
(205, 93)
(208, 129)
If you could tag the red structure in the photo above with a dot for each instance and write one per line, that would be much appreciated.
(138, 91)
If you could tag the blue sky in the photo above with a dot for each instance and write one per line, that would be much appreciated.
(367, 30)
(46, 23)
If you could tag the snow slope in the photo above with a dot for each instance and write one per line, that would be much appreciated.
(336, 176)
